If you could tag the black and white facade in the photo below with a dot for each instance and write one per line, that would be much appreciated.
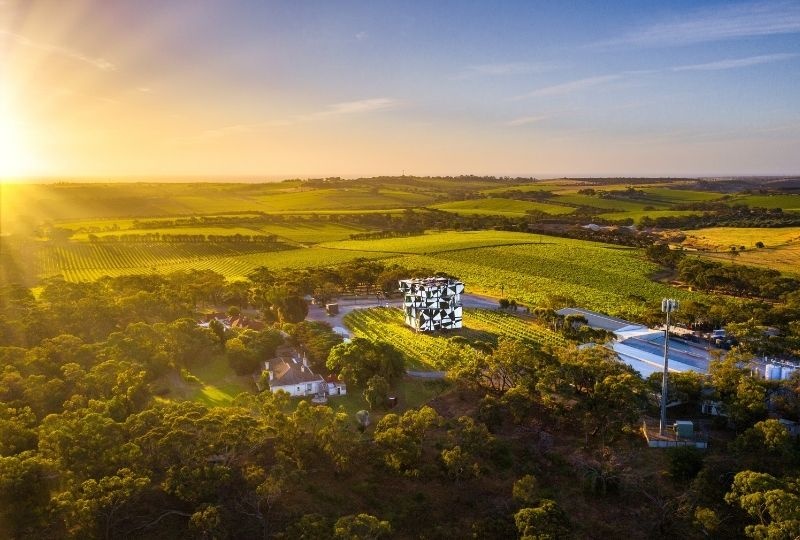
(432, 303)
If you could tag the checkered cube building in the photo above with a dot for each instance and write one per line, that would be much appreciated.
(432, 304)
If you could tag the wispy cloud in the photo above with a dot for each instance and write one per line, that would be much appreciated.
(353, 107)
(525, 120)
(99, 63)
(718, 23)
(502, 69)
(570, 87)
(734, 63)
(363, 106)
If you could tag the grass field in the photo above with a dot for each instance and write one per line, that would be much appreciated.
(437, 242)
(789, 203)
(637, 215)
(61, 202)
(781, 246)
(502, 207)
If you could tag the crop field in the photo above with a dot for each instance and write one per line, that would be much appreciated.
(608, 279)
(80, 261)
(437, 242)
(549, 185)
(657, 201)
(505, 324)
(386, 324)
(61, 202)
(637, 215)
(577, 199)
(789, 203)
(781, 249)
(301, 232)
(503, 207)
(422, 350)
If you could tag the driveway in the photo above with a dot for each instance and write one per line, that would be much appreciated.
(348, 304)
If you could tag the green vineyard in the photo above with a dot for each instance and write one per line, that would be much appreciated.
(386, 324)
(422, 350)
(561, 271)
(83, 261)
(506, 324)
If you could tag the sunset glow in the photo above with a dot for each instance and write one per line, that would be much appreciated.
(210, 88)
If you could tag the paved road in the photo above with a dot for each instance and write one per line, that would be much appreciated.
(346, 305)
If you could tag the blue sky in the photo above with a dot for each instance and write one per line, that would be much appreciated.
(351, 88)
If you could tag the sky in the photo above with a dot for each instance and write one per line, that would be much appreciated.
(264, 89)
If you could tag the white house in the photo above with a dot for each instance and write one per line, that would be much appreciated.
(294, 376)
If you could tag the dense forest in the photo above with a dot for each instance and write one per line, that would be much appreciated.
(529, 442)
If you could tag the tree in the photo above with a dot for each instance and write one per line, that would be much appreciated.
(360, 359)
(241, 358)
(459, 464)
(543, 522)
(361, 527)
(310, 527)
(773, 502)
(525, 490)
(207, 522)
(377, 392)
(26, 482)
(768, 438)
(97, 505)
(292, 309)
(684, 462)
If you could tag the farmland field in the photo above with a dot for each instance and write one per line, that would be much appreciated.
(527, 267)
(789, 203)
(80, 261)
(310, 232)
(781, 249)
(437, 242)
(422, 350)
(608, 279)
(637, 215)
(503, 207)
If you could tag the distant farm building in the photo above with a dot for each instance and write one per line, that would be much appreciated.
(432, 304)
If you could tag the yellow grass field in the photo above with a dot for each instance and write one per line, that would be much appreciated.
(781, 249)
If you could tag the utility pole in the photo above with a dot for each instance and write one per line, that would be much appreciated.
(668, 305)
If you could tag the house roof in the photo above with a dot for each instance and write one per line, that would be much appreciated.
(290, 371)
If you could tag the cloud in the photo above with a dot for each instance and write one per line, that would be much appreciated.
(361, 36)
(737, 62)
(99, 63)
(337, 109)
(353, 107)
(525, 120)
(570, 87)
(501, 69)
(718, 23)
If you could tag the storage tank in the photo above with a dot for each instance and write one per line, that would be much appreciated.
(786, 372)
(772, 372)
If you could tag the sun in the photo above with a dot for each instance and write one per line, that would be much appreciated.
(16, 160)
